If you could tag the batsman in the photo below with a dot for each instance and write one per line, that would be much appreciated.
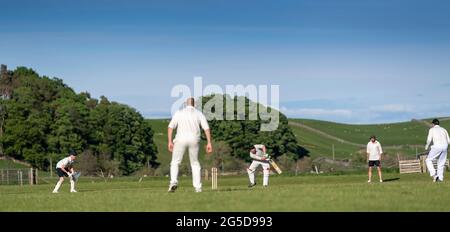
(259, 157)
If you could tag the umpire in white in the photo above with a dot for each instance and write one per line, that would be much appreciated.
(440, 139)
(187, 122)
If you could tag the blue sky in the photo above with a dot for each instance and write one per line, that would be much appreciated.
(349, 61)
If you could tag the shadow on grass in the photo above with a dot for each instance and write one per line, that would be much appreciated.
(391, 180)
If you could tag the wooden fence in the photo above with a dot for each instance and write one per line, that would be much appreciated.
(416, 165)
(19, 176)
(410, 166)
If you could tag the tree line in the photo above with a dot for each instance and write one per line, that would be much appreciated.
(243, 132)
(43, 118)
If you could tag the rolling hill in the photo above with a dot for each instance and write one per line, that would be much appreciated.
(349, 141)
(9, 164)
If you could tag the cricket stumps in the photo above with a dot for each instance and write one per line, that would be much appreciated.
(214, 173)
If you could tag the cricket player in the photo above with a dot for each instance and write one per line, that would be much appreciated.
(440, 139)
(64, 168)
(258, 154)
(187, 122)
(374, 152)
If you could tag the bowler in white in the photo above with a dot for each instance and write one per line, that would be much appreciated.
(440, 139)
(374, 152)
(187, 122)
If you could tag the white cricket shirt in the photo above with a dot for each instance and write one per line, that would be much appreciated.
(259, 152)
(439, 137)
(374, 150)
(188, 122)
(66, 162)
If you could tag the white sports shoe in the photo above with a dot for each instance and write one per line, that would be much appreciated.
(381, 181)
(369, 181)
(73, 191)
(198, 190)
(55, 192)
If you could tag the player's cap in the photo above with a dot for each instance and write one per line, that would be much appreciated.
(436, 121)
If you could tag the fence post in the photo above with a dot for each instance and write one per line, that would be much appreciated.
(36, 176)
(424, 164)
(18, 177)
(7, 176)
(51, 167)
(206, 175)
(2, 177)
(30, 176)
(21, 178)
(333, 153)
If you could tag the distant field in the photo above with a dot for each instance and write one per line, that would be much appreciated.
(407, 133)
(7, 164)
(159, 127)
(446, 124)
(322, 146)
(401, 193)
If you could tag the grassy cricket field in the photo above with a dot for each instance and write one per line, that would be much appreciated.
(306, 193)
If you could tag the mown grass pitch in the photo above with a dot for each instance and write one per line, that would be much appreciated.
(414, 192)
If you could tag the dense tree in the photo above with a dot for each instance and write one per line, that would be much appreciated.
(45, 118)
(241, 134)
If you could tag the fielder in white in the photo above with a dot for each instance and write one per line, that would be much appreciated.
(258, 154)
(187, 122)
(64, 168)
(374, 153)
(440, 139)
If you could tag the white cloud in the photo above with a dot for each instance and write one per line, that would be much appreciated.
(392, 108)
(317, 112)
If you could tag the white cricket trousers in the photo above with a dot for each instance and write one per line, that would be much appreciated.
(439, 153)
(266, 171)
(180, 146)
(58, 185)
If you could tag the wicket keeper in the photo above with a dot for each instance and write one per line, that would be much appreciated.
(64, 168)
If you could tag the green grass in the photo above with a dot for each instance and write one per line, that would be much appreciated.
(414, 192)
(406, 133)
(159, 127)
(321, 146)
(318, 145)
(446, 124)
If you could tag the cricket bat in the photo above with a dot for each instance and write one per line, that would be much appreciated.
(76, 176)
(275, 166)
